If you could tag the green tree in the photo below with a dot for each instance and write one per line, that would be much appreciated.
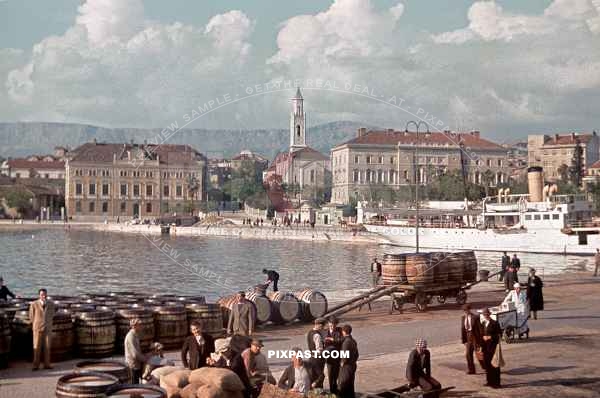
(18, 199)
(576, 169)
(245, 181)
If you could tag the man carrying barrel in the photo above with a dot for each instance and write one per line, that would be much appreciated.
(134, 357)
(272, 276)
(41, 313)
(4, 291)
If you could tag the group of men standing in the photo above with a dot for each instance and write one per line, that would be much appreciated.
(510, 270)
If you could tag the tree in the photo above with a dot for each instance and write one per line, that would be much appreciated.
(576, 169)
(19, 200)
(245, 182)
(563, 172)
(487, 178)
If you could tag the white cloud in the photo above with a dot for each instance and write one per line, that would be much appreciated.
(397, 10)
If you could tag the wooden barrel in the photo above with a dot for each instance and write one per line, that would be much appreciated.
(454, 264)
(146, 334)
(264, 307)
(137, 391)
(170, 325)
(439, 262)
(418, 269)
(393, 269)
(261, 289)
(81, 307)
(115, 368)
(11, 308)
(313, 304)
(469, 262)
(209, 316)
(5, 337)
(22, 336)
(63, 336)
(95, 333)
(226, 303)
(286, 307)
(85, 385)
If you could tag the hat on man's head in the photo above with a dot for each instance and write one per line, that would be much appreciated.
(516, 285)
(421, 343)
(242, 293)
(486, 311)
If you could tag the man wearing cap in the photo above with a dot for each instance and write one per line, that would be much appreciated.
(490, 336)
(199, 346)
(226, 358)
(134, 357)
(4, 291)
(41, 313)
(256, 364)
(241, 317)
(470, 336)
(418, 370)
(316, 344)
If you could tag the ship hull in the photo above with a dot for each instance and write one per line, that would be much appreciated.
(524, 241)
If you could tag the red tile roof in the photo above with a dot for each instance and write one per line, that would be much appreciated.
(595, 165)
(35, 164)
(569, 138)
(410, 138)
(104, 153)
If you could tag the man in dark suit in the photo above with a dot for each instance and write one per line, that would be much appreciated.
(418, 370)
(348, 365)
(504, 270)
(490, 337)
(199, 346)
(470, 335)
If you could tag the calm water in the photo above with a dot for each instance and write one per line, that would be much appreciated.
(80, 261)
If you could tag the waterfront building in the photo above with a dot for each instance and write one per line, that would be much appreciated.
(592, 174)
(378, 160)
(219, 172)
(46, 167)
(107, 180)
(300, 166)
(555, 153)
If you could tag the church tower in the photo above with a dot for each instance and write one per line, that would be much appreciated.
(297, 123)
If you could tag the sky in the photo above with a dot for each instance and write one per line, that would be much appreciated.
(505, 68)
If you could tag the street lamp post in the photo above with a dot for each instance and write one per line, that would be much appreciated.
(417, 176)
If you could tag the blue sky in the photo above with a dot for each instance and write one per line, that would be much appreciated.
(507, 68)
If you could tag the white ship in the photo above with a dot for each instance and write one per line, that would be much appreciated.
(539, 222)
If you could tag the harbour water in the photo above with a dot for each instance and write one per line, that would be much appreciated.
(77, 262)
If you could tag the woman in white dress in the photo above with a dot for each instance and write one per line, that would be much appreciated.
(518, 296)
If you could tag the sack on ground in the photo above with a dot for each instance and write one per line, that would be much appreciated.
(223, 379)
(498, 359)
(190, 390)
(161, 372)
(210, 391)
(179, 378)
(172, 392)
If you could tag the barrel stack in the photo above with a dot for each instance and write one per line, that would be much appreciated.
(264, 307)
(96, 333)
(393, 269)
(170, 325)
(63, 336)
(123, 321)
(313, 304)
(5, 337)
(419, 269)
(286, 307)
(208, 315)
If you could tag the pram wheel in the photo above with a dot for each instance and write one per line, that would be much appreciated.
(509, 335)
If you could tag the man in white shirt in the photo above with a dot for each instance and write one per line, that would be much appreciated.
(134, 357)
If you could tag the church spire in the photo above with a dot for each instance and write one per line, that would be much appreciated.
(298, 94)
(297, 123)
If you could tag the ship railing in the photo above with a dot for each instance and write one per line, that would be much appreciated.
(583, 224)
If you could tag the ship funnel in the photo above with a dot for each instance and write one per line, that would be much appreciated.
(535, 182)
(500, 195)
(545, 192)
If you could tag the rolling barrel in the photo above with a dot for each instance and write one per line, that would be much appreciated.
(209, 316)
(264, 307)
(455, 268)
(85, 385)
(96, 333)
(418, 269)
(439, 262)
(146, 335)
(5, 336)
(114, 368)
(63, 336)
(170, 326)
(393, 269)
(286, 307)
(136, 391)
(313, 304)
(469, 266)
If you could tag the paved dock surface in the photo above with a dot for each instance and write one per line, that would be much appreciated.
(560, 359)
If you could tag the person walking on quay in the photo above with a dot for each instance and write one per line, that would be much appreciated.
(597, 261)
(534, 293)
(41, 314)
(418, 370)
(5, 291)
(241, 317)
(375, 273)
(470, 336)
(348, 365)
(134, 357)
(272, 276)
(512, 275)
(504, 270)
(519, 297)
(316, 343)
(199, 346)
(333, 342)
(490, 337)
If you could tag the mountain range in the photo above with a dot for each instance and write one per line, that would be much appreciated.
(27, 138)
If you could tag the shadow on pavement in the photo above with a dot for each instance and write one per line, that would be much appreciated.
(536, 369)
(575, 381)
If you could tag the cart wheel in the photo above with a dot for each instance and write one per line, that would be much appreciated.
(509, 335)
(395, 305)
(461, 297)
(421, 302)
(441, 299)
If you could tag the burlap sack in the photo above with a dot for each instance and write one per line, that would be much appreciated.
(159, 373)
(190, 390)
(223, 379)
(179, 378)
(209, 391)
(172, 392)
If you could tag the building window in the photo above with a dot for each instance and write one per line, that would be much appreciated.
(380, 176)
(92, 207)
(500, 162)
(391, 160)
(355, 176)
(166, 190)
(356, 160)
(148, 207)
(92, 190)
(179, 190)
(123, 207)
(555, 216)
(104, 207)
(536, 217)
(369, 159)
(78, 189)
(123, 173)
(546, 216)
(149, 174)
(381, 160)
(312, 176)
(18, 175)
(489, 162)
(104, 189)
(149, 190)
(46, 176)
(528, 217)
(123, 189)
(136, 190)
(78, 207)
(406, 175)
